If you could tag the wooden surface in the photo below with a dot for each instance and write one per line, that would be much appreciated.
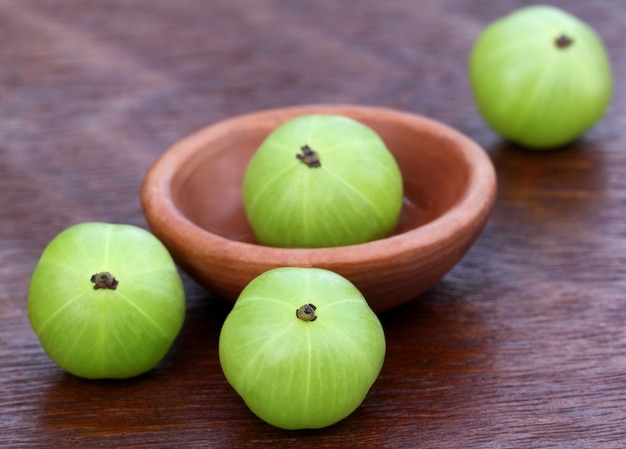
(522, 345)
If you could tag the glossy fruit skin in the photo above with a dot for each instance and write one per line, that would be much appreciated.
(535, 89)
(297, 374)
(106, 333)
(354, 197)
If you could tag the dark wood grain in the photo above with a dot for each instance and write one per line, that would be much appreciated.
(522, 345)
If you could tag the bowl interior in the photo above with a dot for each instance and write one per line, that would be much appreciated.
(208, 190)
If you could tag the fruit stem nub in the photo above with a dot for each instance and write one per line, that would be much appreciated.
(104, 279)
(563, 41)
(309, 157)
(307, 312)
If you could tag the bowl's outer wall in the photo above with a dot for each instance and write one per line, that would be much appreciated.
(192, 202)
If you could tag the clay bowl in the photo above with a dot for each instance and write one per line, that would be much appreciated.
(191, 198)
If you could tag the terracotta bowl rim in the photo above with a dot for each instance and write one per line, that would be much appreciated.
(159, 206)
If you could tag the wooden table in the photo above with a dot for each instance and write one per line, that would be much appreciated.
(521, 345)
